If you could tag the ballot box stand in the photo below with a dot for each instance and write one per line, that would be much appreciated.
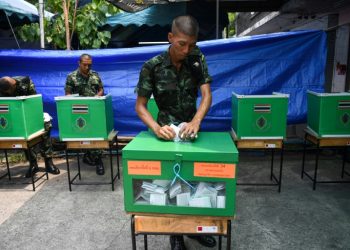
(169, 224)
(266, 144)
(78, 145)
(259, 123)
(8, 143)
(317, 143)
(328, 126)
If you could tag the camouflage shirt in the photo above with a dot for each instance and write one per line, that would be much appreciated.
(24, 87)
(175, 92)
(76, 83)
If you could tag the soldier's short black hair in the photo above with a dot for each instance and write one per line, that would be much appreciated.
(4, 84)
(83, 56)
(187, 25)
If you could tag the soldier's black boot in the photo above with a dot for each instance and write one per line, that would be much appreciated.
(88, 159)
(33, 168)
(50, 167)
(100, 170)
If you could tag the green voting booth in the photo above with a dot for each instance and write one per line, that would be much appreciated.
(186, 178)
(259, 116)
(328, 114)
(84, 117)
(21, 117)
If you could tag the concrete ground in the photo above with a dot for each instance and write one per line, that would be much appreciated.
(93, 217)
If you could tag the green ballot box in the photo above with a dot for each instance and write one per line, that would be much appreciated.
(187, 178)
(82, 118)
(259, 116)
(328, 114)
(21, 117)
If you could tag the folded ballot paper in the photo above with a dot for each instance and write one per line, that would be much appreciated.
(162, 193)
(182, 200)
(158, 199)
(205, 190)
(153, 188)
(178, 137)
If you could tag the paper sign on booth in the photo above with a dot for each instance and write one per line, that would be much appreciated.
(144, 168)
(217, 170)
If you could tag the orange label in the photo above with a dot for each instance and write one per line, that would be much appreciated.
(144, 168)
(218, 170)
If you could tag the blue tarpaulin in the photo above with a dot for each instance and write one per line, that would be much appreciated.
(291, 63)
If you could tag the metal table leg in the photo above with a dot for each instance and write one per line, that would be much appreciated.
(133, 239)
(272, 160)
(228, 234)
(316, 166)
(303, 163)
(68, 171)
(281, 166)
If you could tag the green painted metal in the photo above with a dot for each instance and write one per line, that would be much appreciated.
(153, 109)
(259, 116)
(212, 147)
(328, 114)
(21, 117)
(84, 117)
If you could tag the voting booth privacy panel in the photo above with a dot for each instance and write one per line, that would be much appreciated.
(21, 117)
(84, 117)
(290, 63)
(193, 178)
(329, 114)
(259, 116)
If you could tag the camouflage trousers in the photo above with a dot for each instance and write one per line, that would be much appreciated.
(45, 147)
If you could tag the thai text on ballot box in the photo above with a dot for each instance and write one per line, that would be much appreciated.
(193, 178)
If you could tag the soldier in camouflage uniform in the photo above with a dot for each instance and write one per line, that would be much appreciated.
(86, 82)
(23, 86)
(174, 78)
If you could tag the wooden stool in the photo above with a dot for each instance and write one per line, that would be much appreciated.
(164, 224)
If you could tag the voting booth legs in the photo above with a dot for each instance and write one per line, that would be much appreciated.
(22, 144)
(317, 143)
(270, 145)
(84, 145)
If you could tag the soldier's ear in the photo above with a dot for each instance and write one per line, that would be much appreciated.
(170, 37)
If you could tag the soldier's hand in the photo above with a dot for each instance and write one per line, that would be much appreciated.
(189, 130)
(165, 132)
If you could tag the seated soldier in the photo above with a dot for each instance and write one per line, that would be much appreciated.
(23, 86)
(86, 82)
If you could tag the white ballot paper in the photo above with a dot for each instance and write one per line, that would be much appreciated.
(174, 190)
(183, 199)
(219, 186)
(204, 190)
(220, 201)
(163, 183)
(158, 199)
(177, 133)
(153, 188)
(143, 195)
(200, 202)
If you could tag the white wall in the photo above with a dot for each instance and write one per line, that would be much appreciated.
(340, 58)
